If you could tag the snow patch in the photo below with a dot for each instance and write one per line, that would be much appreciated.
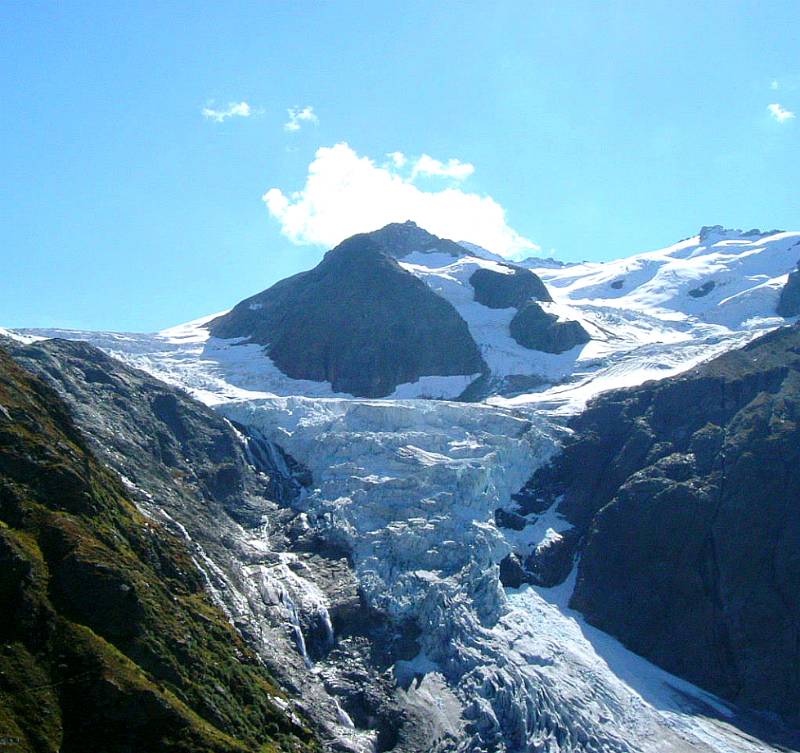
(434, 387)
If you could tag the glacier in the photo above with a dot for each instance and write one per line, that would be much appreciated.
(409, 488)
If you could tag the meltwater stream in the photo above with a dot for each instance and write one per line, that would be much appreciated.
(409, 489)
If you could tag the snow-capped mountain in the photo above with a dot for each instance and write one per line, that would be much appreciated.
(622, 322)
(358, 321)
(648, 315)
(420, 499)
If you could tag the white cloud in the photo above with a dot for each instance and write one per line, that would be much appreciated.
(453, 168)
(298, 116)
(430, 167)
(234, 109)
(346, 194)
(774, 85)
(780, 113)
(398, 158)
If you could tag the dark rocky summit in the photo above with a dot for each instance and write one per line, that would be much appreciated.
(399, 239)
(109, 641)
(534, 328)
(789, 302)
(685, 497)
(502, 291)
(357, 320)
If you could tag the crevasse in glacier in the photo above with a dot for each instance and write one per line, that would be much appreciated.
(409, 488)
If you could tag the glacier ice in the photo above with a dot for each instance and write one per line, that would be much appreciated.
(409, 488)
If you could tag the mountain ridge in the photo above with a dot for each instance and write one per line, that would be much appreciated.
(646, 316)
(109, 639)
(682, 495)
(358, 321)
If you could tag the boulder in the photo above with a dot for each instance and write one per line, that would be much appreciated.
(499, 290)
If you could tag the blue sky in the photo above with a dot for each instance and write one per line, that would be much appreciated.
(591, 130)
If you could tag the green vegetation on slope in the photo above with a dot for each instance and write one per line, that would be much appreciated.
(108, 641)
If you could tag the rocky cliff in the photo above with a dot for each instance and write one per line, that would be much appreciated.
(230, 495)
(789, 301)
(684, 495)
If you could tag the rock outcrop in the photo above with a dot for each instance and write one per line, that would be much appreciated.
(703, 290)
(789, 302)
(534, 328)
(499, 290)
(359, 321)
(684, 499)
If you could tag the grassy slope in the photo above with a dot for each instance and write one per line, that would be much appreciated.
(108, 641)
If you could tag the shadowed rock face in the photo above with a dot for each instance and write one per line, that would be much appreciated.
(789, 302)
(502, 291)
(684, 495)
(534, 328)
(359, 321)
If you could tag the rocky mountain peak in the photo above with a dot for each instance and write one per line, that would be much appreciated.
(399, 239)
(714, 233)
(357, 320)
